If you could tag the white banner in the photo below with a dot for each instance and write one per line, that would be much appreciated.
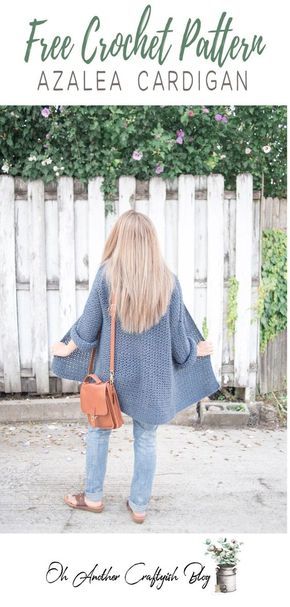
(143, 53)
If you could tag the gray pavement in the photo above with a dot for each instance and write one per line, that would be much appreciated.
(217, 481)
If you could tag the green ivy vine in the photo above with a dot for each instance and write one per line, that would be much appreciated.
(232, 304)
(204, 328)
(271, 306)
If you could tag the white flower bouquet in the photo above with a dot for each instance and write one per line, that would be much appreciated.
(224, 551)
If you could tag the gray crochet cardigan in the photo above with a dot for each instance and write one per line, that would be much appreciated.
(157, 372)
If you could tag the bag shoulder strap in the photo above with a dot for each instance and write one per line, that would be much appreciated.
(112, 342)
(112, 338)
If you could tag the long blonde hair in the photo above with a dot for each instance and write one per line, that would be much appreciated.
(136, 272)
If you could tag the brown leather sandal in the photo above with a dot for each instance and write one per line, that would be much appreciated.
(81, 504)
(136, 516)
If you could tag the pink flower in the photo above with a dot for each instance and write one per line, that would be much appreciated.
(190, 113)
(159, 168)
(180, 136)
(45, 112)
(205, 110)
(221, 118)
(137, 155)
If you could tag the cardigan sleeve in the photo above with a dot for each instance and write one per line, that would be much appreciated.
(184, 346)
(84, 331)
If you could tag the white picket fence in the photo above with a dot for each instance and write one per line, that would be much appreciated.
(52, 238)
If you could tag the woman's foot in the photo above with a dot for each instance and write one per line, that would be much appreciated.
(80, 501)
(138, 517)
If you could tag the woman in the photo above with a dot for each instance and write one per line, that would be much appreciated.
(162, 361)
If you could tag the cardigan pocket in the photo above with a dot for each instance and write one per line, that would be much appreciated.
(191, 358)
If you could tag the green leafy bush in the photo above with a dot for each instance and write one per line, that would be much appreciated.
(84, 141)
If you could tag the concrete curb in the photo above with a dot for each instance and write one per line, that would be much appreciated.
(66, 409)
(40, 409)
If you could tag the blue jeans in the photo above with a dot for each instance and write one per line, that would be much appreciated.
(97, 443)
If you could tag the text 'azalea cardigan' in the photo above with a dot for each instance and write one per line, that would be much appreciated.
(157, 372)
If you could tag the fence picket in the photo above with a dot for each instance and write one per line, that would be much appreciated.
(171, 217)
(255, 323)
(229, 272)
(283, 214)
(157, 197)
(35, 191)
(244, 236)
(81, 241)
(67, 297)
(8, 301)
(96, 225)
(186, 231)
(200, 254)
(215, 267)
